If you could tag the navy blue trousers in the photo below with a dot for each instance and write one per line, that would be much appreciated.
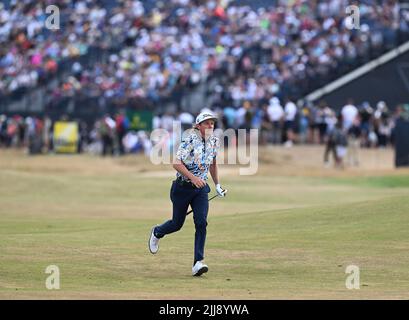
(182, 197)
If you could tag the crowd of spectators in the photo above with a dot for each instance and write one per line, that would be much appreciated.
(285, 124)
(300, 46)
(252, 53)
(31, 52)
(255, 61)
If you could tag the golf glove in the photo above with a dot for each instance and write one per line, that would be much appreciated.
(221, 192)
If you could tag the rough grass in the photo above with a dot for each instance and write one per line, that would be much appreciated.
(276, 236)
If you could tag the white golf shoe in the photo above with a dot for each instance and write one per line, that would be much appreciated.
(153, 243)
(199, 268)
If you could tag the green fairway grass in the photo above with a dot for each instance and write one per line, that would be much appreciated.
(273, 236)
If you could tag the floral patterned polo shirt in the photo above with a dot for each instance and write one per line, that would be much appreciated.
(197, 154)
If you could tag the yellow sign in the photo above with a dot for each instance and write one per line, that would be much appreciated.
(65, 137)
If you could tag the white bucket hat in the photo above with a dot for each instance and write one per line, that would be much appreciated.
(205, 116)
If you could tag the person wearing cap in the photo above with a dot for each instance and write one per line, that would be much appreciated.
(195, 157)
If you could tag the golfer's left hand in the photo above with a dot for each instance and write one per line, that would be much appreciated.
(220, 191)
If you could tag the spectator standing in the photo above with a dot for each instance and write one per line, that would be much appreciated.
(290, 111)
(276, 114)
(330, 145)
(354, 142)
(349, 113)
(366, 116)
(341, 144)
(186, 119)
(121, 127)
(106, 129)
(266, 125)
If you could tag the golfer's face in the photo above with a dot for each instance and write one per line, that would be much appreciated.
(206, 127)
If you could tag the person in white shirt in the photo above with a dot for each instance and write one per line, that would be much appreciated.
(276, 113)
(349, 112)
(186, 119)
(167, 121)
(290, 111)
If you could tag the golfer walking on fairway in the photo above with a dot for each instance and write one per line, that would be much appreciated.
(195, 157)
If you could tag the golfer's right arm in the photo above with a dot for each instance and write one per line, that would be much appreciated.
(181, 168)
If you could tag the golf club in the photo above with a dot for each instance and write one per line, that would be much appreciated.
(225, 192)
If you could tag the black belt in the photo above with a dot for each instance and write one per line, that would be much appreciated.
(185, 183)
